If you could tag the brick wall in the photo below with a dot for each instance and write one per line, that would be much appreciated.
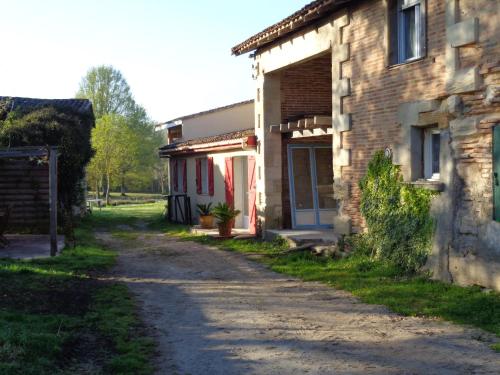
(306, 89)
(377, 90)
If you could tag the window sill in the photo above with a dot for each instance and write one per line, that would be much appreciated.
(409, 62)
(432, 185)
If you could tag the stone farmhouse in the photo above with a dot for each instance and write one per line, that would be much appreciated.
(340, 79)
(212, 159)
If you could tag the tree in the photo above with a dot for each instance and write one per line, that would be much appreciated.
(109, 139)
(108, 91)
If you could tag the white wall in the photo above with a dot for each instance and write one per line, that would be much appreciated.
(219, 190)
(236, 118)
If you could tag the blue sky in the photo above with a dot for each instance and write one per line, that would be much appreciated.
(174, 54)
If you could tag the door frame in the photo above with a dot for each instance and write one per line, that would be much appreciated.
(314, 186)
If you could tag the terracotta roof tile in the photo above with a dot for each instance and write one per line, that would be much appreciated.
(308, 14)
(83, 106)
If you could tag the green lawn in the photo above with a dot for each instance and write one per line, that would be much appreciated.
(56, 317)
(373, 282)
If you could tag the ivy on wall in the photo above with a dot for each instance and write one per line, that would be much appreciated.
(400, 227)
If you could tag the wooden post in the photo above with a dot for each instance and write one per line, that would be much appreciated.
(53, 199)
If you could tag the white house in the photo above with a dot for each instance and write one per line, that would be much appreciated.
(212, 159)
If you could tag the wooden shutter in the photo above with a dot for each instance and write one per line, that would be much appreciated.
(252, 196)
(199, 189)
(496, 171)
(175, 175)
(184, 176)
(229, 181)
(210, 172)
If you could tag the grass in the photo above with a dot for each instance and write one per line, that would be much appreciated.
(372, 281)
(57, 318)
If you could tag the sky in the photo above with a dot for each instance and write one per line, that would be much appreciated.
(175, 55)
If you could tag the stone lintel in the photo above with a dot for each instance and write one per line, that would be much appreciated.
(463, 33)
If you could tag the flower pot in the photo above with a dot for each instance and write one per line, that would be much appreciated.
(225, 228)
(207, 221)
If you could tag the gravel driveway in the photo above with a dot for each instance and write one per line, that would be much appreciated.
(216, 312)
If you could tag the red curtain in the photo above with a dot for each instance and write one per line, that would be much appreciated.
(184, 176)
(210, 171)
(229, 182)
(198, 177)
(175, 174)
(252, 196)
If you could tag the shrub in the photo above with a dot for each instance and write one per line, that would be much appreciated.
(400, 227)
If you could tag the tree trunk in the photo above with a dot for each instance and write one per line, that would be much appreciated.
(107, 189)
(97, 189)
(122, 186)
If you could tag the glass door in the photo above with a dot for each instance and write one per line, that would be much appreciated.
(311, 186)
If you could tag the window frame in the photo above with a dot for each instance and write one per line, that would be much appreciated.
(204, 179)
(396, 47)
(428, 154)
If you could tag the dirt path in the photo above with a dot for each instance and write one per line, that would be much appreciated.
(215, 312)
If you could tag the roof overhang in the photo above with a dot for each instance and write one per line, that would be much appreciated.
(305, 16)
(243, 143)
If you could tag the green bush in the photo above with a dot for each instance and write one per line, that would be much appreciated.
(400, 227)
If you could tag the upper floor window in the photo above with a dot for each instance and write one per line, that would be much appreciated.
(406, 30)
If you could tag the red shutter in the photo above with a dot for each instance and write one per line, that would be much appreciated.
(252, 196)
(229, 182)
(175, 175)
(210, 171)
(198, 176)
(184, 176)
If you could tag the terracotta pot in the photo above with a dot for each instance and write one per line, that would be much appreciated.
(225, 229)
(207, 221)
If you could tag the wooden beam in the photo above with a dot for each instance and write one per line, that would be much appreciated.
(302, 123)
(284, 128)
(22, 152)
(53, 200)
(293, 126)
(309, 123)
(322, 121)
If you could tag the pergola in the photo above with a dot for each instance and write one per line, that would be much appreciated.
(52, 154)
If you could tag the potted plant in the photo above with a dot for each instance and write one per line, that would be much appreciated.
(225, 214)
(206, 217)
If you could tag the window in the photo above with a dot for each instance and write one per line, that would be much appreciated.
(204, 176)
(406, 30)
(432, 149)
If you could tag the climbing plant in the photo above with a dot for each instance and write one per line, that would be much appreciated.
(49, 126)
(400, 226)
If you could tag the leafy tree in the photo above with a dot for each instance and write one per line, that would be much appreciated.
(108, 91)
(109, 139)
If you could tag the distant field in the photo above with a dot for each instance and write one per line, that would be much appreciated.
(130, 198)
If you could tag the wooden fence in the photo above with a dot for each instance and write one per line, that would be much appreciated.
(25, 185)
